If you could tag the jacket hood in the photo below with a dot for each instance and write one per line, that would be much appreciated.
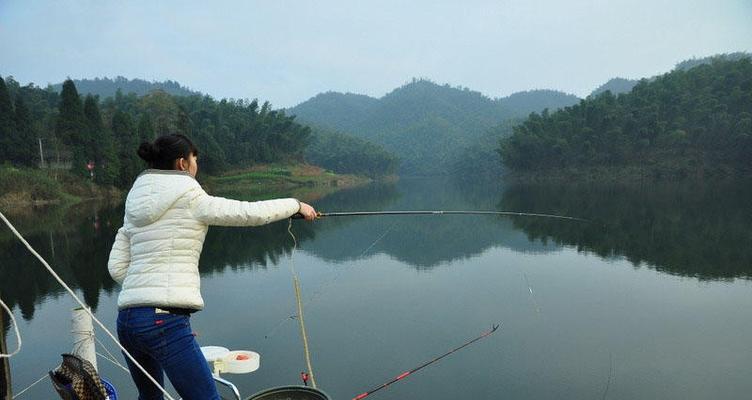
(153, 193)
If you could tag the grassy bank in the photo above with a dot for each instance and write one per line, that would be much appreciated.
(275, 180)
(21, 188)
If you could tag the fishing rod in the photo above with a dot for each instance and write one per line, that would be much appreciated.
(425, 364)
(438, 212)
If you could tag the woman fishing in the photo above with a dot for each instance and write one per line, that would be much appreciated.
(155, 260)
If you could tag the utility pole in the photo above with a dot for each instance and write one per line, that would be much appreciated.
(41, 154)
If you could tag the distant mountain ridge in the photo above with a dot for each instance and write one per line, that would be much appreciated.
(106, 87)
(615, 86)
(622, 85)
(425, 124)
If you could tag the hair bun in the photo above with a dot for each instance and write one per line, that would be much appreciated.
(148, 152)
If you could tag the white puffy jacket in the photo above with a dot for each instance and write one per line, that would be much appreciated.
(167, 214)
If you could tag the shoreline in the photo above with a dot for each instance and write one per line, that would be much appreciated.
(27, 189)
(303, 181)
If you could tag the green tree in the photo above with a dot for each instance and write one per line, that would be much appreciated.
(212, 156)
(145, 128)
(7, 125)
(22, 149)
(70, 128)
(101, 146)
(162, 107)
(684, 123)
(127, 141)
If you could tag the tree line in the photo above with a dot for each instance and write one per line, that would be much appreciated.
(343, 153)
(74, 131)
(687, 122)
(681, 228)
(107, 87)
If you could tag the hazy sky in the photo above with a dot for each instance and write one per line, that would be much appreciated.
(288, 51)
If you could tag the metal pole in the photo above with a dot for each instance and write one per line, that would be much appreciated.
(5, 383)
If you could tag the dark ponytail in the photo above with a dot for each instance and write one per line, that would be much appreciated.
(165, 150)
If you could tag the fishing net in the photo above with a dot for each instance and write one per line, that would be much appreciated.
(76, 379)
(290, 393)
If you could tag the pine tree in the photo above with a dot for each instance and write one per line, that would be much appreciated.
(7, 123)
(23, 148)
(70, 128)
(145, 128)
(101, 146)
(212, 156)
(127, 140)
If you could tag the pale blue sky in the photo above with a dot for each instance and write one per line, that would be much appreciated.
(288, 51)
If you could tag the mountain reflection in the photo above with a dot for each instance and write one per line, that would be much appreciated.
(420, 241)
(689, 229)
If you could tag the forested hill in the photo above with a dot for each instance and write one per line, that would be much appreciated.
(76, 129)
(622, 85)
(521, 104)
(695, 62)
(685, 123)
(615, 86)
(106, 87)
(346, 112)
(423, 123)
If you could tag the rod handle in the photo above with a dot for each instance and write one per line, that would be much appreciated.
(300, 216)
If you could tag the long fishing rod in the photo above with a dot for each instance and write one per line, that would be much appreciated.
(438, 212)
(425, 364)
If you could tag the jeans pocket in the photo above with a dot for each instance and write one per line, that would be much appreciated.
(177, 337)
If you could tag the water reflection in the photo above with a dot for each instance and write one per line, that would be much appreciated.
(690, 230)
(76, 241)
(264, 245)
(420, 241)
(696, 230)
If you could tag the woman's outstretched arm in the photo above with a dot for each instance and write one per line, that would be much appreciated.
(213, 210)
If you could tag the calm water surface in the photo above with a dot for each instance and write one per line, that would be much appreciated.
(652, 299)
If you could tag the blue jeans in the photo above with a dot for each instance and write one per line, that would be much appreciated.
(163, 343)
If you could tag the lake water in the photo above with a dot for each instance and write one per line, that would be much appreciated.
(650, 299)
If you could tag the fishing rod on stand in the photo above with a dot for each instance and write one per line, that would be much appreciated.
(425, 364)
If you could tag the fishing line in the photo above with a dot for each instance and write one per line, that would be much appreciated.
(43, 377)
(114, 359)
(321, 288)
(301, 321)
(610, 374)
(532, 295)
(319, 291)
